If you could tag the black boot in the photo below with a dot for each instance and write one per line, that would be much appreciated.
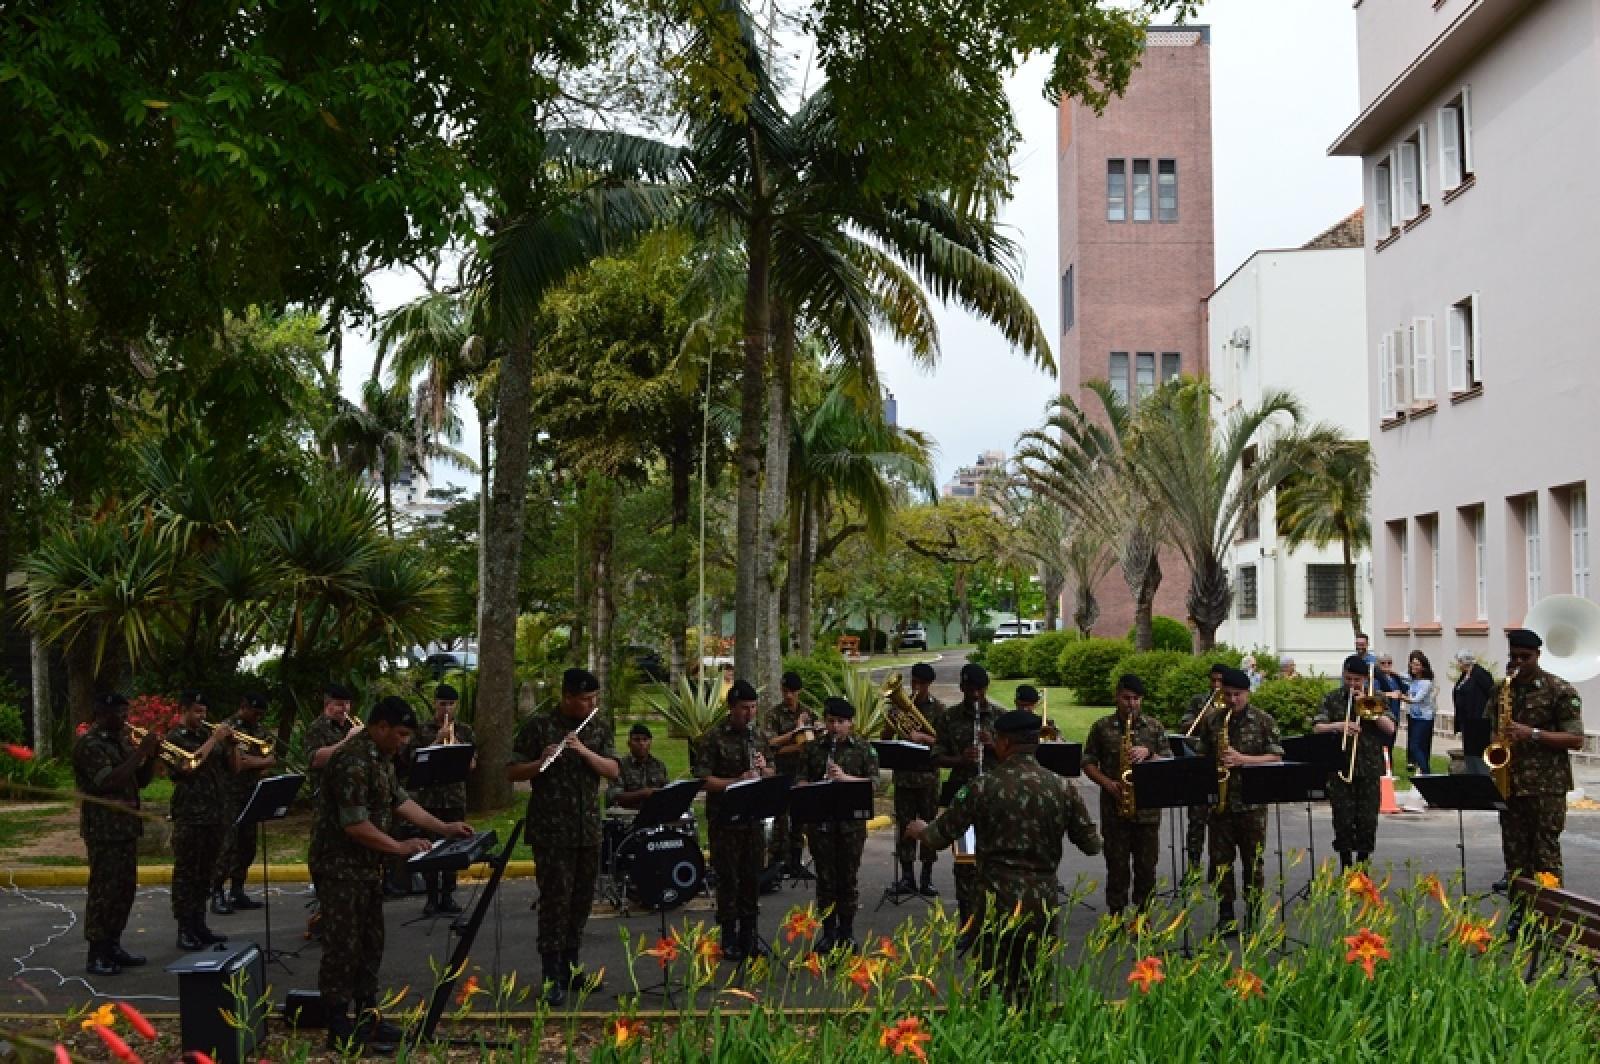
(208, 936)
(969, 934)
(101, 962)
(847, 935)
(190, 939)
(830, 936)
(1363, 858)
(927, 889)
(555, 979)
(242, 901)
(127, 960)
(907, 883)
(1227, 923)
(732, 947)
(220, 904)
(431, 906)
(1344, 860)
(376, 1030)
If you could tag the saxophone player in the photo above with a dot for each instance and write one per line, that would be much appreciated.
(732, 751)
(1242, 735)
(1545, 722)
(1132, 836)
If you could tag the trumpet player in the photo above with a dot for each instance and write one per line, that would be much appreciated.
(790, 726)
(563, 759)
(1132, 836)
(837, 848)
(964, 730)
(1544, 724)
(1198, 816)
(245, 767)
(732, 751)
(1241, 735)
(109, 771)
(916, 794)
(1353, 790)
(199, 808)
(444, 801)
(328, 733)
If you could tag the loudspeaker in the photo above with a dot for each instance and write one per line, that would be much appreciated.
(230, 980)
(302, 1010)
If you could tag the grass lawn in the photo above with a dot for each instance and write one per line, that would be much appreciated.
(1073, 720)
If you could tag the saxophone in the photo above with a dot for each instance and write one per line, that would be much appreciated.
(1125, 804)
(1498, 753)
(1223, 772)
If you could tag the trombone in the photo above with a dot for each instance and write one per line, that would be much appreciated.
(1367, 706)
(1212, 705)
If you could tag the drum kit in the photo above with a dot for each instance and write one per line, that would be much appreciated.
(655, 868)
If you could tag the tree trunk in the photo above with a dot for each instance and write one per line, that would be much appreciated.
(388, 506)
(748, 612)
(800, 589)
(44, 709)
(1350, 585)
(485, 436)
(1209, 600)
(81, 682)
(1054, 583)
(603, 539)
(679, 470)
(962, 608)
(1086, 609)
(502, 560)
(775, 499)
(1144, 603)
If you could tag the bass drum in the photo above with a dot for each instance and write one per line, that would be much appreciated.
(662, 866)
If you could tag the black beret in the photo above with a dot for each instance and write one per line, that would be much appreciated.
(923, 671)
(839, 707)
(974, 675)
(1018, 722)
(741, 691)
(640, 729)
(255, 700)
(579, 682)
(1237, 679)
(111, 701)
(193, 698)
(392, 709)
(1027, 693)
(445, 693)
(1131, 683)
(1524, 638)
(1218, 669)
(793, 682)
(338, 692)
(1355, 663)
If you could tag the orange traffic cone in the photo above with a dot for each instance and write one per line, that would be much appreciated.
(1386, 803)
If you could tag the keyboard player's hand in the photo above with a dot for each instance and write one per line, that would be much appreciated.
(458, 829)
(411, 847)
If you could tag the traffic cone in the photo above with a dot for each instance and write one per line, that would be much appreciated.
(1387, 803)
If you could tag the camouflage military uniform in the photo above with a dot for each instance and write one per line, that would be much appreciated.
(110, 835)
(1240, 832)
(736, 850)
(564, 826)
(637, 776)
(238, 851)
(916, 794)
(324, 731)
(1536, 810)
(358, 783)
(1355, 804)
(1198, 816)
(955, 735)
(447, 801)
(199, 818)
(836, 848)
(1019, 811)
(777, 720)
(1132, 842)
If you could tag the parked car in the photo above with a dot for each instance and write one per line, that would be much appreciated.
(646, 663)
(1017, 630)
(451, 661)
(912, 637)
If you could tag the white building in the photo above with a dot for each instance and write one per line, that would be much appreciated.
(967, 482)
(1478, 137)
(1293, 319)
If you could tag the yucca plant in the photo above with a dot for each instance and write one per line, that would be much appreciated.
(861, 691)
(692, 708)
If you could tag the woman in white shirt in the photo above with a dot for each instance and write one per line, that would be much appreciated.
(1419, 702)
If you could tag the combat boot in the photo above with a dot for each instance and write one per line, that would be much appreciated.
(907, 883)
(555, 979)
(830, 936)
(431, 906)
(220, 904)
(127, 960)
(189, 938)
(1227, 922)
(750, 941)
(847, 935)
(579, 978)
(242, 901)
(101, 962)
(210, 937)
(447, 904)
(927, 889)
(732, 945)
(1344, 860)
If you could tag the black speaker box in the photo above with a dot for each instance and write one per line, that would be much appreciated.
(230, 980)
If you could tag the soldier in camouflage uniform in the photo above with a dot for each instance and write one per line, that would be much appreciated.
(732, 751)
(350, 836)
(109, 771)
(1019, 811)
(1546, 724)
(1355, 804)
(916, 794)
(446, 801)
(963, 731)
(199, 817)
(239, 842)
(1238, 831)
(564, 820)
(328, 733)
(1129, 841)
(641, 774)
(837, 847)
(785, 725)
(1198, 816)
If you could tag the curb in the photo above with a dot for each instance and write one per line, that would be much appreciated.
(161, 875)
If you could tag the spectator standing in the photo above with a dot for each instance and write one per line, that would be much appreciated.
(1390, 685)
(1471, 695)
(1362, 642)
(1251, 670)
(1419, 702)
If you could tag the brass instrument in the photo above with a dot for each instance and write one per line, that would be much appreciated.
(1214, 703)
(257, 747)
(1048, 733)
(1125, 804)
(1223, 772)
(174, 755)
(904, 716)
(1367, 706)
(562, 748)
(1498, 753)
(805, 730)
(447, 734)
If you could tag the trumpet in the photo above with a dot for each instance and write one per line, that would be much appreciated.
(573, 734)
(174, 755)
(257, 747)
(1498, 753)
(904, 716)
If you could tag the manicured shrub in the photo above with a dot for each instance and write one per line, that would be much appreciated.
(1007, 660)
(1168, 633)
(1170, 696)
(1085, 666)
(1151, 667)
(1292, 701)
(1044, 655)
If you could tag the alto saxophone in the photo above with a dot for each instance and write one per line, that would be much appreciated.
(1223, 772)
(1498, 753)
(1125, 804)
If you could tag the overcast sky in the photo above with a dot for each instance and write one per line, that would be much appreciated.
(1283, 84)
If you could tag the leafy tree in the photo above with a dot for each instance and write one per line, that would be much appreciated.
(1330, 499)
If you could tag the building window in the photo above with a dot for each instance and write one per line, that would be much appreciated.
(1413, 174)
(1171, 366)
(1327, 591)
(1429, 529)
(1119, 376)
(1250, 527)
(1116, 190)
(1405, 573)
(1069, 311)
(1394, 376)
(1461, 338)
(1455, 142)
(1480, 563)
(1383, 196)
(1421, 348)
(1247, 592)
(1167, 190)
(1146, 369)
(1578, 529)
(1141, 190)
(1531, 547)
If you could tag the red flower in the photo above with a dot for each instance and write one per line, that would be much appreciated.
(709, 952)
(665, 950)
(812, 964)
(469, 990)
(625, 1030)
(1247, 984)
(118, 1047)
(1435, 889)
(1471, 935)
(800, 923)
(195, 1056)
(62, 1056)
(1146, 974)
(137, 1021)
(21, 753)
(886, 948)
(1366, 949)
(1357, 884)
(906, 1036)
(863, 972)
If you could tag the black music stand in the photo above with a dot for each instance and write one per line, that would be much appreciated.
(668, 804)
(749, 802)
(1064, 759)
(1175, 783)
(1276, 785)
(1460, 793)
(271, 800)
(898, 755)
(1324, 750)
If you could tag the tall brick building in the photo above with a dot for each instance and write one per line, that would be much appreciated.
(1137, 248)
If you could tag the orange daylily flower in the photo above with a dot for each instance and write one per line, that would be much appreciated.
(886, 948)
(469, 990)
(104, 1016)
(1146, 974)
(1548, 880)
(136, 1020)
(1471, 935)
(906, 1036)
(708, 952)
(1435, 889)
(1357, 884)
(927, 984)
(800, 923)
(742, 995)
(812, 963)
(1366, 949)
(665, 950)
(1247, 984)
(625, 1030)
(864, 972)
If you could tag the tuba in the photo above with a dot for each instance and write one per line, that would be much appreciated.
(1125, 802)
(904, 716)
(1498, 753)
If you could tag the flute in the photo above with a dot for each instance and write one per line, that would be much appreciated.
(551, 758)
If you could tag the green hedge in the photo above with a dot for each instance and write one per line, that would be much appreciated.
(1086, 666)
(1292, 701)
(1167, 633)
(1151, 667)
(1170, 696)
(1044, 655)
(823, 668)
(1007, 660)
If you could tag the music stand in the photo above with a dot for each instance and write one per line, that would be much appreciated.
(438, 766)
(1064, 759)
(898, 755)
(1183, 745)
(271, 800)
(1325, 751)
(1175, 783)
(747, 803)
(1460, 793)
(668, 804)
(1276, 785)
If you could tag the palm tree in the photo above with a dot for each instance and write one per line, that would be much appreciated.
(1206, 478)
(1037, 530)
(1329, 499)
(1087, 559)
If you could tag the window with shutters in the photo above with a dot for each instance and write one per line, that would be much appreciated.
(1385, 378)
(1480, 563)
(1532, 544)
(1167, 190)
(1141, 190)
(1455, 142)
(1327, 591)
(1428, 547)
(1383, 196)
(1400, 369)
(1404, 543)
(1578, 527)
(1116, 190)
(1247, 592)
(1119, 376)
(1413, 174)
(1461, 339)
(1422, 393)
